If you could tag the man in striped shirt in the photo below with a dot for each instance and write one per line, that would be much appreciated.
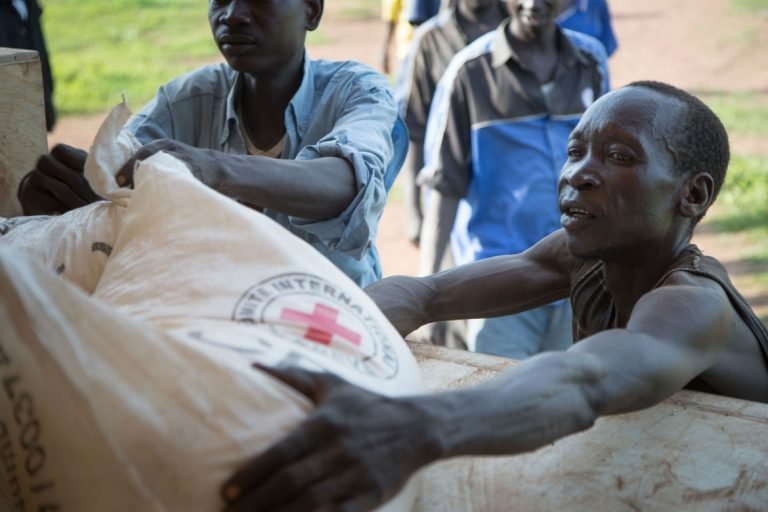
(496, 140)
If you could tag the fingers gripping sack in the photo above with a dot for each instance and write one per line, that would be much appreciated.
(145, 393)
(77, 244)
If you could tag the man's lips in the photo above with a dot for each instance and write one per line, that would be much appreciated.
(235, 45)
(234, 39)
(577, 212)
(573, 215)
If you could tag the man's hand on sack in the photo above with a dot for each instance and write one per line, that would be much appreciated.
(354, 452)
(202, 162)
(57, 183)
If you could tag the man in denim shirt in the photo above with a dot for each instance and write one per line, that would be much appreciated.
(313, 144)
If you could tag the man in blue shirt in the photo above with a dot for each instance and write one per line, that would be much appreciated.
(496, 140)
(313, 144)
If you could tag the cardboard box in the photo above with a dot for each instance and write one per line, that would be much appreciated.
(23, 136)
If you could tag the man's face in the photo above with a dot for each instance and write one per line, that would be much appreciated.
(534, 16)
(618, 189)
(261, 36)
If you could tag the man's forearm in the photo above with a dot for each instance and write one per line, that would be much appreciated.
(493, 287)
(497, 286)
(312, 189)
(527, 407)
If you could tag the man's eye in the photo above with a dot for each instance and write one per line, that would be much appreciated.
(619, 156)
(574, 153)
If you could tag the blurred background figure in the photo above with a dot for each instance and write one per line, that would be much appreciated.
(20, 28)
(495, 143)
(421, 10)
(591, 17)
(401, 18)
(434, 45)
(398, 32)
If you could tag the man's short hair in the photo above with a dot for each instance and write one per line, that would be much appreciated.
(700, 142)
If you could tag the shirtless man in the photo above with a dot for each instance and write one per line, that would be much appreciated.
(651, 316)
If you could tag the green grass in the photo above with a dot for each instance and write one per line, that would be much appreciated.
(742, 206)
(743, 202)
(100, 49)
(741, 113)
(754, 6)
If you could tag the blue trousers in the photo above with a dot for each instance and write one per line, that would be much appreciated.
(525, 334)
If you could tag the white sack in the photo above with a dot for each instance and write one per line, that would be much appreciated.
(98, 409)
(143, 396)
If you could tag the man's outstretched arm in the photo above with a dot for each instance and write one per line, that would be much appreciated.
(358, 448)
(492, 287)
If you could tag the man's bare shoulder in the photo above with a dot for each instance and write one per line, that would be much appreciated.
(741, 369)
(683, 277)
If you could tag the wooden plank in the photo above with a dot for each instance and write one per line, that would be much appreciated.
(23, 135)
(693, 452)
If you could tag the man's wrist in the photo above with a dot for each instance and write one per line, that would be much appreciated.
(216, 176)
(431, 432)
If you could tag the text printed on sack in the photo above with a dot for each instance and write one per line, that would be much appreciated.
(303, 320)
(22, 454)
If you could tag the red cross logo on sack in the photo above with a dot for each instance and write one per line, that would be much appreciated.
(322, 324)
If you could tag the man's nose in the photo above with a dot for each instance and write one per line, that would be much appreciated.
(236, 13)
(581, 175)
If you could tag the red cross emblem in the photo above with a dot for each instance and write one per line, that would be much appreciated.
(321, 324)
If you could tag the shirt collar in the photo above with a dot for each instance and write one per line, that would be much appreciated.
(452, 19)
(230, 113)
(503, 52)
(300, 106)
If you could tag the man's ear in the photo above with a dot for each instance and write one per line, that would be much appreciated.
(697, 195)
(314, 10)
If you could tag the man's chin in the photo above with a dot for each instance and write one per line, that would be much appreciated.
(581, 252)
(243, 64)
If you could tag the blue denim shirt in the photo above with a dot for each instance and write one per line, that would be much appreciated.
(341, 109)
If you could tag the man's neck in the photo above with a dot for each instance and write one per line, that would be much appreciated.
(537, 52)
(263, 101)
(631, 276)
